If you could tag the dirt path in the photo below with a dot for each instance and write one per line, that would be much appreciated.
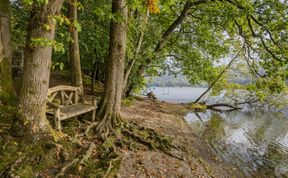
(167, 119)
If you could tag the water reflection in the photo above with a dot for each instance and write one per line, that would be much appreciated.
(256, 142)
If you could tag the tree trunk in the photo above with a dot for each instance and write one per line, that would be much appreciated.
(37, 63)
(7, 92)
(74, 52)
(111, 103)
(136, 52)
(95, 70)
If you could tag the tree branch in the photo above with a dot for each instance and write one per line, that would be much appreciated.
(185, 12)
(219, 76)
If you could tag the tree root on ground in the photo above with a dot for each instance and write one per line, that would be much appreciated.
(63, 170)
(138, 138)
(88, 153)
(87, 130)
(104, 128)
(150, 138)
(111, 166)
(70, 155)
(109, 131)
(108, 125)
(142, 135)
(109, 169)
(85, 157)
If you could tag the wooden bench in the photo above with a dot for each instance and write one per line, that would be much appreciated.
(65, 102)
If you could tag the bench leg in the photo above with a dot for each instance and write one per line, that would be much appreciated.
(57, 120)
(93, 115)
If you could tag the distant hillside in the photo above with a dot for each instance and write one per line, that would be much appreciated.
(182, 81)
(170, 81)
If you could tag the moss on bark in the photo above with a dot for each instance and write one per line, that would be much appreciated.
(7, 94)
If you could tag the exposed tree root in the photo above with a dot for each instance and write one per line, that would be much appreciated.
(109, 130)
(87, 130)
(88, 153)
(85, 157)
(63, 170)
(94, 124)
(75, 140)
(107, 125)
(138, 138)
(109, 157)
(149, 138)
(109, 169)
(75, 152)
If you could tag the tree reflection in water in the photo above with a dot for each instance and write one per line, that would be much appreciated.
(255, 142)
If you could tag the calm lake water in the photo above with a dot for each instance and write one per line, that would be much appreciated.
(256, 142)
(177, 95)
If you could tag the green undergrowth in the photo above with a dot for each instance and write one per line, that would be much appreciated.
(198, 107)
(7, 113)
(128, 101)
(25, 156)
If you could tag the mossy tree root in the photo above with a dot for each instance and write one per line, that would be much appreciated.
(138, 138)
(149, 138)
(107, 125)
(109, 157)
(81, 161)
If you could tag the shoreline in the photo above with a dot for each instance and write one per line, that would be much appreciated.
(168, 119)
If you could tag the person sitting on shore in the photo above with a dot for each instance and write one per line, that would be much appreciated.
(151, 95)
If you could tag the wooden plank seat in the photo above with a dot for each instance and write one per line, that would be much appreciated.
(66, 101)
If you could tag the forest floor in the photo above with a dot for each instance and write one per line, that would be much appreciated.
(78, 155)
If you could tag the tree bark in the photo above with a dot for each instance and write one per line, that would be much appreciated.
(95, 70)
(74, 51)
(7, 92)
(111, 103)
(37, 63)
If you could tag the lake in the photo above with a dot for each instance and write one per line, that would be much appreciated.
(256, 142)
(177, 94)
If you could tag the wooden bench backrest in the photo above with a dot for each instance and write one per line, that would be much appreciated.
(64, 94)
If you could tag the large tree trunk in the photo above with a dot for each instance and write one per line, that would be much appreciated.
(7, 92)
(111, 103)
(37, 63)
(74, 52)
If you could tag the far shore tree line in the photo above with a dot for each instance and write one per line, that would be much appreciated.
(119, 43)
